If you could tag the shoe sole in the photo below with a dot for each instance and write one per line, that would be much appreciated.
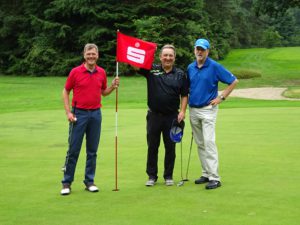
(65, 193)
(201, 182)
(91, 191)
(213, 187)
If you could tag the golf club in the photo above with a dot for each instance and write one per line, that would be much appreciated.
(181, 183)
(64, 168)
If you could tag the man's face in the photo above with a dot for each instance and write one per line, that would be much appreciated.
(91, 56)
(201, 54)
(167, 57)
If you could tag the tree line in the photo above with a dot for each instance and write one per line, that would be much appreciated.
(46, 37)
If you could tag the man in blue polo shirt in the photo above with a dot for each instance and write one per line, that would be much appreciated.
(204, 74)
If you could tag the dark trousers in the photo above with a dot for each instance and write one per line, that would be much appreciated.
(158, 124)
(88, 123)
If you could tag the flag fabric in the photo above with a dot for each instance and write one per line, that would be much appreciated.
(134, 51)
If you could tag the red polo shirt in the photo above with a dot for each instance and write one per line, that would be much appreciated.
(87, 87)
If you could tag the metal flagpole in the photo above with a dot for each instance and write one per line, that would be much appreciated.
(116, 137)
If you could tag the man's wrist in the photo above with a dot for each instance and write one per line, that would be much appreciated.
(222, 97)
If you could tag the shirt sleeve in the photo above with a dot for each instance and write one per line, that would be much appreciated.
(224, 75)
(185, 86)
(143, 72)
(70, 81)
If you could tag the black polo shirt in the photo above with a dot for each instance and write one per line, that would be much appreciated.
(165, 89)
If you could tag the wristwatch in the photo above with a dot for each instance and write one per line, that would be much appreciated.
(222, 98)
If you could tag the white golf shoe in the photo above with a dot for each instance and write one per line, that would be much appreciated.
(169, 182)
(150, 183)
(66, 190)
(92, 188)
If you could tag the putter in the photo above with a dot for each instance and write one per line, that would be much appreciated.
(64, 168)
(181, 183)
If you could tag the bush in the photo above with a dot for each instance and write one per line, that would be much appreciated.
(292, 93)
(246, 73)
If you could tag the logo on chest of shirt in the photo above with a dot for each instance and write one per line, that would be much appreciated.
(157, 72)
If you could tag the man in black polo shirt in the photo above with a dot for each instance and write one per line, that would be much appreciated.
(167, 94)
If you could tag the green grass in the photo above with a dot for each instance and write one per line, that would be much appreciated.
(35, 93)
(258, 145)
(292, 92)
(42, 93)
(258, 150)
(279, 67)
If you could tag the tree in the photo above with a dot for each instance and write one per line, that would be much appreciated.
(271, 38)
(219, 26)
(12, 27)
(275, 8)
(180, 24)
(46, 37)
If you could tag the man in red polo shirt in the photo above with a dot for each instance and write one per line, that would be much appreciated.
(88, 82)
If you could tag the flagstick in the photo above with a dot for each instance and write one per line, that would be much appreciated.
(116, 138)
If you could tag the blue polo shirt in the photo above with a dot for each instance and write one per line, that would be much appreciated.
(203, 82)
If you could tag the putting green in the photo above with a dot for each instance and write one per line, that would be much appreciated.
(258, 148)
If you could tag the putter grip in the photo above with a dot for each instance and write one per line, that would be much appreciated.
(74, 109)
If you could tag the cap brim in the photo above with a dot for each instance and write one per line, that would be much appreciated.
(201, 46)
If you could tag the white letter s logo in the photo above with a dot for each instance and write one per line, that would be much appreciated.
(136, 55)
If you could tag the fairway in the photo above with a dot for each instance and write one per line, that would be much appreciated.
(279, 66)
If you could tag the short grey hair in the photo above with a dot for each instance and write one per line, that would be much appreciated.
(168, 46)
(90, 46)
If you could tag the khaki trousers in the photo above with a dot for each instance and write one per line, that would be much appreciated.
(203, 123)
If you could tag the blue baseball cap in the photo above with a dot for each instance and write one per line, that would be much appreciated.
(176, 131)
(203, 43)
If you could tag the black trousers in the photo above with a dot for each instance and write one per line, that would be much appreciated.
(158, 124)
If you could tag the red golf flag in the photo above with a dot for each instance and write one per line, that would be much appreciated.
(134, 51)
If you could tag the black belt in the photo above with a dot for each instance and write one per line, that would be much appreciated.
(203, 107)
(88, 110)
(196, 106)
(162, 114)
